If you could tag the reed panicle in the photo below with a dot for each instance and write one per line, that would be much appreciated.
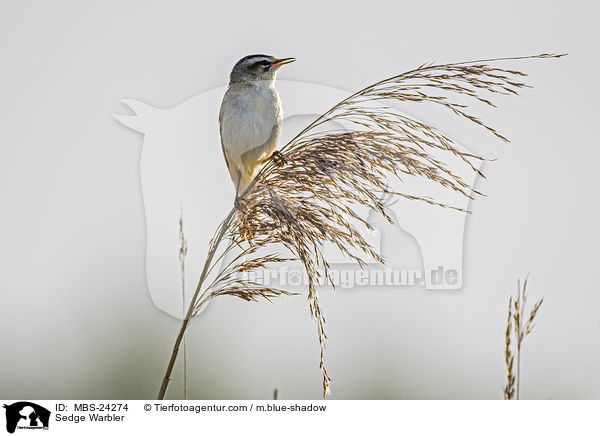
(308, 193)
(509, 390)
(523, 326)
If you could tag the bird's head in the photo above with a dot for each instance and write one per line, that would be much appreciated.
(257, 67)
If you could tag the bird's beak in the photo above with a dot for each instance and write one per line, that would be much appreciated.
(280, 62)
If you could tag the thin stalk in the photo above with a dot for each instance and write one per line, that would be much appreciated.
(520, 335)
(185, 397)
(518, 369)
(190, 312)
(182, 255)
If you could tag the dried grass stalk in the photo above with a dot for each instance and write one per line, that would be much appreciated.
(522, 328)
(509, 390)
(183, 248)
(308, 193)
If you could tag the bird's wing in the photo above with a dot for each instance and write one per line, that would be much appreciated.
(254, 156)
(221, 134)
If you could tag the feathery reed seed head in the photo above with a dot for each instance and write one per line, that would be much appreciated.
(308, 193)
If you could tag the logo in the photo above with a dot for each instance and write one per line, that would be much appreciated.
(26, 415)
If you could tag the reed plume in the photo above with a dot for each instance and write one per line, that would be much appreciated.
(307, 194)
(522, 328)
(509, 390)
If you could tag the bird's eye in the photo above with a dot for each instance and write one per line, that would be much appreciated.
(265, 63)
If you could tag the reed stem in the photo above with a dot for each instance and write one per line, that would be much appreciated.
(190, 312)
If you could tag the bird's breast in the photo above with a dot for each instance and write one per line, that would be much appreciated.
(249, 117)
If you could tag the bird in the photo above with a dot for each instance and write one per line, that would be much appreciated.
(250, 117)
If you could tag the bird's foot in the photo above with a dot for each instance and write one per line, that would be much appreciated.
(278, 158)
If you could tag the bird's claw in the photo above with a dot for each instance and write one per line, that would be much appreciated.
(278, 158)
